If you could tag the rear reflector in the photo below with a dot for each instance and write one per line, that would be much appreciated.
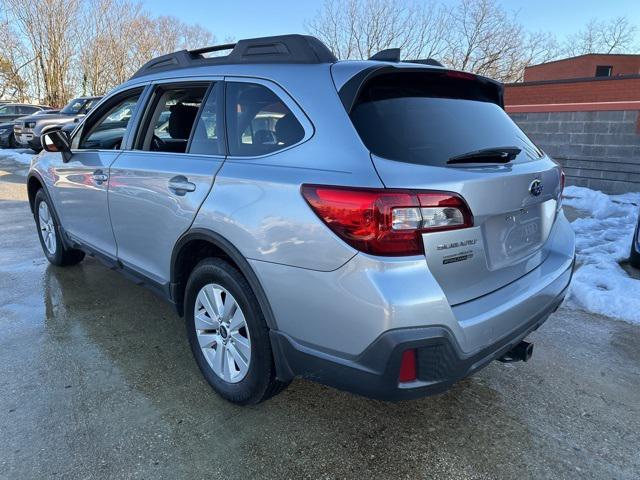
(408, 371)
(386, 222)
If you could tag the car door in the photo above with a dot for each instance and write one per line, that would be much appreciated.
(157, 187)
(81, 184)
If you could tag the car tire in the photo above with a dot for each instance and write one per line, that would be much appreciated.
(49, 234)
(12, 141)
(230, 344)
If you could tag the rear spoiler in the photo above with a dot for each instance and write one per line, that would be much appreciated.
(352, 89)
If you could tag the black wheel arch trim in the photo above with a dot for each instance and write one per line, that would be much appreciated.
(234, 254)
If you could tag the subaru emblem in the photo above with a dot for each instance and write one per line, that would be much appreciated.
(536, 188)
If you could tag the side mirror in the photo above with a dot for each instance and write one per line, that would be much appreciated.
(76, 120)
(57, 141)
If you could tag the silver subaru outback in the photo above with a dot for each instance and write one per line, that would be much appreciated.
(379, 226)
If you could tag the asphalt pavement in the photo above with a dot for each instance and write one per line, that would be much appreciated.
(97, 381)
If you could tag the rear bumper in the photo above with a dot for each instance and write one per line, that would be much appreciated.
(440, 360)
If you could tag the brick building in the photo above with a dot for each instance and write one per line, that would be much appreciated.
(584, 111)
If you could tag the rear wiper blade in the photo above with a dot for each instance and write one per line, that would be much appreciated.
(487, 155)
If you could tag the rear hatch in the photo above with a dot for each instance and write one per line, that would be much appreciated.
(432, 129)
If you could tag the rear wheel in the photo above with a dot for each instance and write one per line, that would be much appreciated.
(12, 141)
(49, 234)
(228, 334)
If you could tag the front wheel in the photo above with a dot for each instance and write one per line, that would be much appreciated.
(49, 234)
(228, 334)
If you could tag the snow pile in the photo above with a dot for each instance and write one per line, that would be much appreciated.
(22, 155)
(603, 239)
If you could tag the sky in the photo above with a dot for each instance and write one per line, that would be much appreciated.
(255, 18)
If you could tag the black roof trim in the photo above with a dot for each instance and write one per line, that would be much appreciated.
(294, 48)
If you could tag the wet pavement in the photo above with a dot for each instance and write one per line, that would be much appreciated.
(97, 381)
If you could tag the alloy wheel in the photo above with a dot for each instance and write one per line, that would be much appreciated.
(47, 228)
(222, 333)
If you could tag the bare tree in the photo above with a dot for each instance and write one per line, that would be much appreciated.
(475, 35)
(487, 40)
(357, 29)
(14, 64)
(617, 35)
(51, 39)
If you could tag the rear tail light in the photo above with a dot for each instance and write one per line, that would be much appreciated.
(386, 222)
(408, 370)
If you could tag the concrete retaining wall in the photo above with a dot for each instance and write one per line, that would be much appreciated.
(597, 149)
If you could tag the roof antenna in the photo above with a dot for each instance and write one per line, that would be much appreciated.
(388, 55)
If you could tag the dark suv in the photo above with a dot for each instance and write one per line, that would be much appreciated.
(27, 131)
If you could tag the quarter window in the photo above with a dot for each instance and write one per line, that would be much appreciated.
(258, 121)
(108, 131)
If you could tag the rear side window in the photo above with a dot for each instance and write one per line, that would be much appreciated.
(208, 135)
(258, 121)
(173, 117)
(427, 120)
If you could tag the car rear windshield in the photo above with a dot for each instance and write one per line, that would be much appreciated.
(430, 118)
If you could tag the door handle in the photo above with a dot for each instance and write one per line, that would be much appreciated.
(181, 185)
(99, 177)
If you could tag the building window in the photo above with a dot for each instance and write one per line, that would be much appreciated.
(603, 70)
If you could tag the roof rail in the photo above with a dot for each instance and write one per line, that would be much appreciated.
(292, 48)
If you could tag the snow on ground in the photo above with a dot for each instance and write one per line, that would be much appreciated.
(20, 155)
(603, 239)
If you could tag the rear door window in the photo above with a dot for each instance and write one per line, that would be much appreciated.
(172, 119)
(417, 118)
(258, 121)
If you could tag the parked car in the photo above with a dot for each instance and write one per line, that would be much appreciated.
(28, 130)
(7, 136)
(378, 226)
(11, 111)
(635, 246)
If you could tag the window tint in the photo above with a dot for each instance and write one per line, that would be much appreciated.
(172, 118)
(108, 131)
(207, 137)
(7, 110)
(258, 121)
(426, 121)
